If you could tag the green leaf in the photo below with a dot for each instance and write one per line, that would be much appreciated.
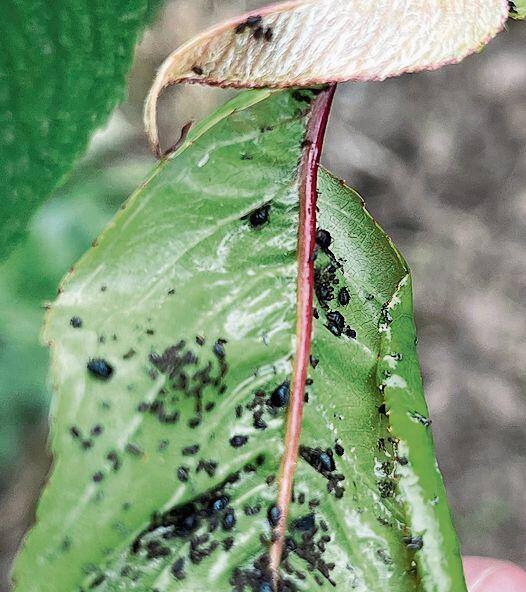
(62, 71)
(167, 452)
(518, 9)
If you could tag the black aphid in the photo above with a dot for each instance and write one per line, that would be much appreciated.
(326, 461)
(74, 431)
(323, 239)
(178, 569)
(182, 474)
(302, 95)
(259, 217)
(351, 333)
(155, 549)
(336, 318)
(280, 396)
(324, 292)
(386, 487)
(425, 421)
(314, 361)
(208, 466)
(133, 449)
(229, 520)
(344, 297)
(197, 70)
(252, 510)
(305, 523)
(258, 32)
(334, 329)
(321, 460)
(96, 430)
(384, 556)
(258, 422)
(269, 34)
(97, 581)
(414, 543)
(228, 543)
(194, 422)
(100, 368)
(338, 448)
(76, 322)
(250, 22)
(273, 516)
(219, 503)
(190, 450)
(219, 348)
(254, 20)
(238, 441)
(98, 477)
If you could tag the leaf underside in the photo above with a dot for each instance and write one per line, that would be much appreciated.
(309, 42)
(167, 448)
(62, 71)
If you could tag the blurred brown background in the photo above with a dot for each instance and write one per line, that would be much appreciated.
(440, 159)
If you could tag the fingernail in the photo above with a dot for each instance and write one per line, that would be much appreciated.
(499, 576)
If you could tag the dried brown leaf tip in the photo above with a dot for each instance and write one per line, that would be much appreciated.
(308, 42)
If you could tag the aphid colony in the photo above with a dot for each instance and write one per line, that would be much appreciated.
(209, 522)
(326, 287)
(187, 534)
(256, 27)
(186, 376)
(328, 290)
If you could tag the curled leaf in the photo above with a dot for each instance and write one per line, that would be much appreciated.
(308, 42)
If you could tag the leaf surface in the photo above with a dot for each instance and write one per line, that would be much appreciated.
(62, 71)
(60, 231)
(308, 42)
(172, 349)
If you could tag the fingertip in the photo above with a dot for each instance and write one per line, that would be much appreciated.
(492, 575)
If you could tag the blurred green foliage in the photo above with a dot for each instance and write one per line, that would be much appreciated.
(59, 232)
(63, 67)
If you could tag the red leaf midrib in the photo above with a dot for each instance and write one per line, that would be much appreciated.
(308, 178)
